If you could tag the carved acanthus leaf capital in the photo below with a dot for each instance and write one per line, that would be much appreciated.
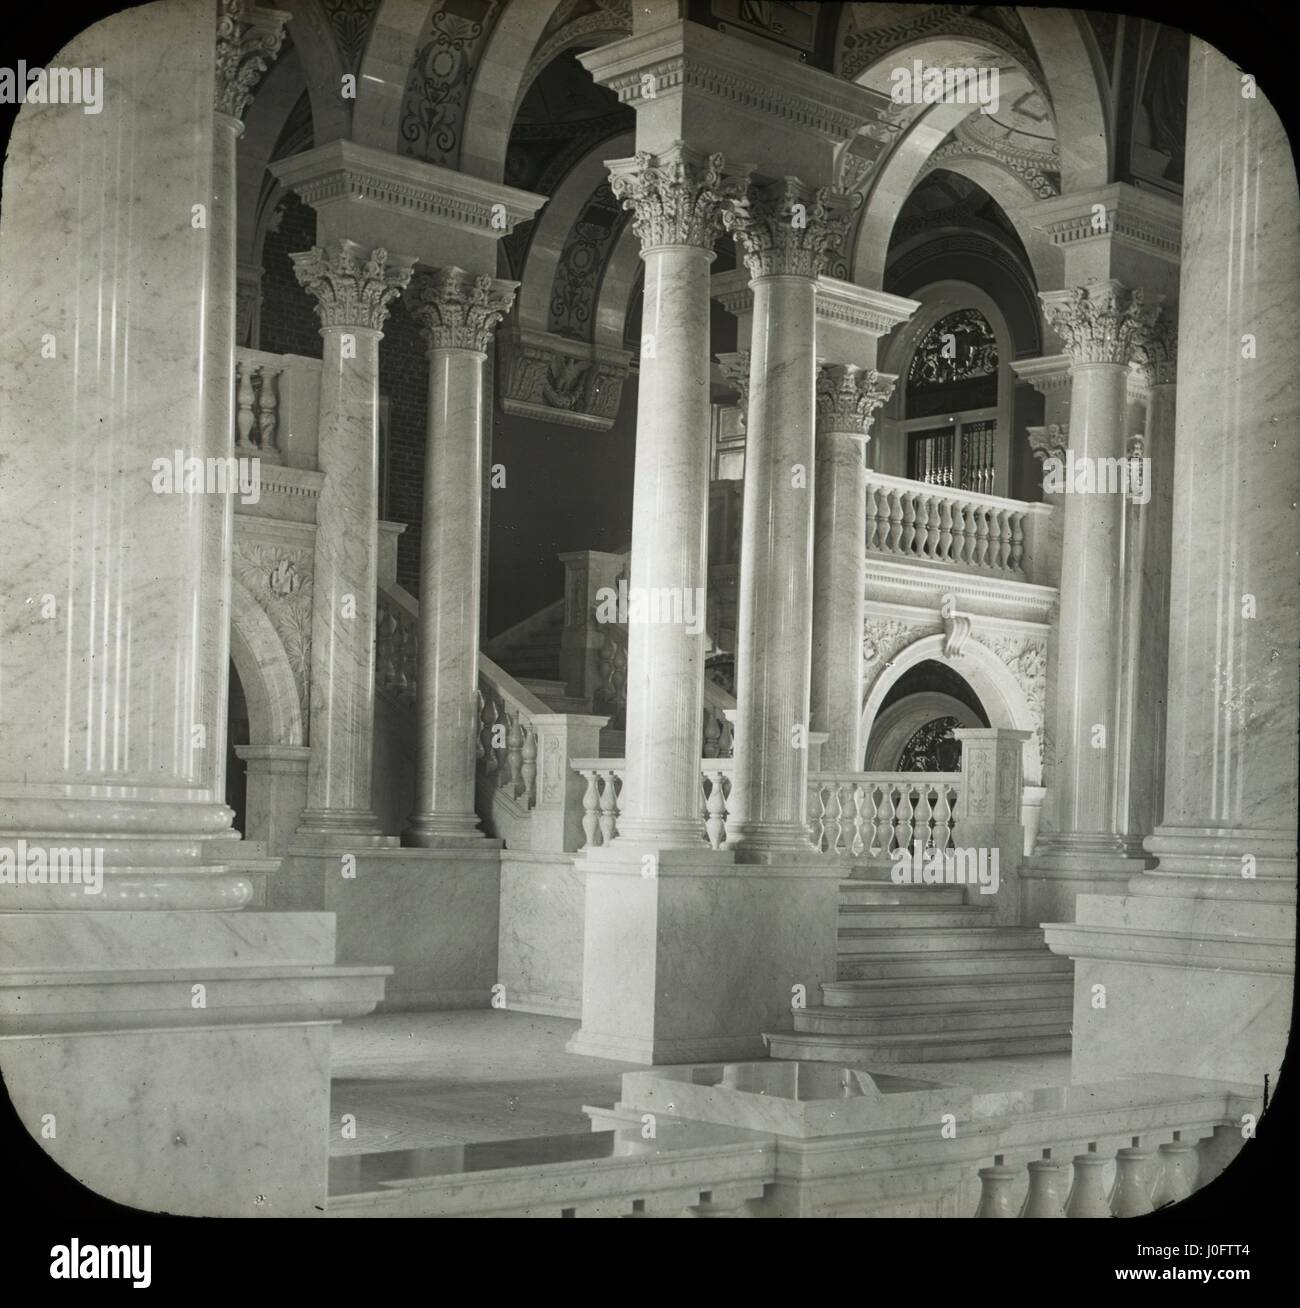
(788, 228)
(1156, 351)
(248, 40)
(735, 368)
(677, 197)
(352, 288)
(848, 397)
(1050, 442)
(1101, 323)
(457, 310)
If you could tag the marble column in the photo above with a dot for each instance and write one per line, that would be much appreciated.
(847, 398)
(784, 231)
(353, 289)
(180, 1057)
(677, 198)
(248, 40)
(1099, 325)
(1229, 825)
(458, 313)
(1148, 526)
(1197, 961)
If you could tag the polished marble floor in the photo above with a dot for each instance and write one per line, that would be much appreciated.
(437, 1080)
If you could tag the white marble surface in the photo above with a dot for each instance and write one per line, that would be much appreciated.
(698, 959)
(774, 628)
(540, 936)
(669, 516)
(1232, 677)
(353, 287)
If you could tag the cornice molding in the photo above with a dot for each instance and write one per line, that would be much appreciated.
(1142, 219)
(760, 83)
(874, 313)
(1046, 374)
(342, 171)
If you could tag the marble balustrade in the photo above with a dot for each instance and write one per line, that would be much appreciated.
(942, 524)
(850, 815)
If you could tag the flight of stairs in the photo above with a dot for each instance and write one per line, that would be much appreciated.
(922, 977)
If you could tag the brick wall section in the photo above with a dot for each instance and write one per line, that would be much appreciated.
(289, 322)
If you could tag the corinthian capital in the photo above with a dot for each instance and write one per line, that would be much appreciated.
(248, 39)
(848, 397)
(787, 227)
(1156, 351)
(352, 288)
(1101, 323)
(458, 310)
(677, 197)
(1050, 442)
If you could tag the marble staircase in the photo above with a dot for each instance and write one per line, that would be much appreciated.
(922, 977)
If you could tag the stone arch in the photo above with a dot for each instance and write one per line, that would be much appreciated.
(499, 84)
(554, 225)
(1001, 694)
(1078, 106)
(617, 287)
(385, 66)
(897, 724)
(322, 70)
(274, 710)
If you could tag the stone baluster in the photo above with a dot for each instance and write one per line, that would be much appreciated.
(1131, 1194)
(245, 419)
(715, 824)
(1046, 1196)
(997, 1185)
(458, 315)
(268, 405)
(1177, 1162)
(944, 550)
(591, 807)
(609, 814)
(528, 765)
(352, 288)
(512, 780)
(1088, 1193)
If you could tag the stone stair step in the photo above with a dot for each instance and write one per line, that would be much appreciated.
(1047, 988)
(924, 1048)
(868, 892)
(949, 963)
(886, 940)
(1025, 1015)
(906, 917)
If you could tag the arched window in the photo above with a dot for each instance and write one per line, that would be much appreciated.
(952, 404)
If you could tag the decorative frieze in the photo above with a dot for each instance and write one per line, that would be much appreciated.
(551, 378)
(848, 397)
(677, 197)
(786, 228)
(735, 368)
(1026, 659)
(352, 289)
(248, 40)
(457, 310)
(1100, 323)
(883, 639)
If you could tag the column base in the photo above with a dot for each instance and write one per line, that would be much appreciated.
(1065, 865)
(1192, 987)
(446, 831)
(691, 956)
(341, 828)
(183, 1058)
(769, 837)
(662, 832)
(1221, 863)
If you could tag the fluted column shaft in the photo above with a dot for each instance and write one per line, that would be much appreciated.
(784, 233)
(353, 290)
(847, 397)
(676, 198)
(114, 604)
(458, 314)
(1230, 793)
(1098, 325)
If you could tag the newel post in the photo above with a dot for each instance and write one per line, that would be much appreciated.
(557, 809)
(988, 813)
